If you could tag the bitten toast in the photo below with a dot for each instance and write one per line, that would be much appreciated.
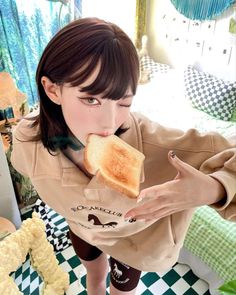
(116, 163)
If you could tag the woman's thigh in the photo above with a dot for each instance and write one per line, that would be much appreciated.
(83, 249)
(123, 277)
(91, 257)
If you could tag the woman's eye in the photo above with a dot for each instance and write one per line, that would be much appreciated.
(89, 100)
(92, 101)
(125, 106)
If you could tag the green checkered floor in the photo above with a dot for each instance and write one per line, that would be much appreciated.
(180, 280)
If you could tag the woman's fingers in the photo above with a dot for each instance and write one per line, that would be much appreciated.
(155, 215)
(152, 192)
(149, 207)
(152, 199)
(173, 196)
(181, 167)
(145, 209)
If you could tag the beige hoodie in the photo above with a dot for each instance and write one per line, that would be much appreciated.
(95, 212)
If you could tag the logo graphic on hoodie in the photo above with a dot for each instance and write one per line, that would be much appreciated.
(96, 221)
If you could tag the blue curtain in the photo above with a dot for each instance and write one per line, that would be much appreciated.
(25, 29)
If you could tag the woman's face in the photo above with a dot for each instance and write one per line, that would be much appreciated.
(85, 114)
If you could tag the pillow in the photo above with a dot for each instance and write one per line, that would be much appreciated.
(210, 94)
(149, 67)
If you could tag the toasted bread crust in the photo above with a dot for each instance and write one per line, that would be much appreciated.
(117, 187)
(87, 163)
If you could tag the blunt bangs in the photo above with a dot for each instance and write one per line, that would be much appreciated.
(118, 64)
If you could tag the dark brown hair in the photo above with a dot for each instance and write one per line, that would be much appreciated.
(71, 56)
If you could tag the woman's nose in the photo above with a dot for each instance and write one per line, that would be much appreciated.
(108, 118)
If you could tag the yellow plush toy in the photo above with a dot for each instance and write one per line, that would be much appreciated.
(31, 237)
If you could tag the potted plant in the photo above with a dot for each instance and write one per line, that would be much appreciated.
(228, 288)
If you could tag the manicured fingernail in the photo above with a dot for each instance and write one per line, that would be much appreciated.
(172, 154)
(128, 217)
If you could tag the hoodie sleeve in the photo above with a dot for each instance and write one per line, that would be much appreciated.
(222, 167)
(23, 148)
(211, 153)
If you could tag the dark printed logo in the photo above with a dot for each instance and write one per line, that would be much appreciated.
(96, 221)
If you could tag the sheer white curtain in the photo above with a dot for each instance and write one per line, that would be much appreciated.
(120, 12)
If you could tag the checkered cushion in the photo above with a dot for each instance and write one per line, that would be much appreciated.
(210, 94)
(56, 226)
(148, 64)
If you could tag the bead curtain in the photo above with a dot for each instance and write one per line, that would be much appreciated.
(202, 9)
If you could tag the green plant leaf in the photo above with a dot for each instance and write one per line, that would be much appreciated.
(232, 26)
(228, 288)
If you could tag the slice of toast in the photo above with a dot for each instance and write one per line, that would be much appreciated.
(116, 163)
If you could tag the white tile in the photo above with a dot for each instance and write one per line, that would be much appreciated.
(200, 287)
(35, 285)
(18, 280)
(159, 287)
(66, 266)
(75, 288)
(25, 265)
(68, 252)
(180, 287)
(181, 269)
(25, 283)
(141, 287)
(79, 271)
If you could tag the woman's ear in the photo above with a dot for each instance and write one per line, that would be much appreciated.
(52, 90)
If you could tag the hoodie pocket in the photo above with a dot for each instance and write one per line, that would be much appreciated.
(94, 190)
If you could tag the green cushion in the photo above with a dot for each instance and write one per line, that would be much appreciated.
(213, 239)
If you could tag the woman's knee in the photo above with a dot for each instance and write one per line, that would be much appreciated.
(97, 269)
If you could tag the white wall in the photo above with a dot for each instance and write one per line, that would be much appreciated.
(121, 12)
(178, 44)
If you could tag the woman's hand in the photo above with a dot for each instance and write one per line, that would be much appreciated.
(190, 188)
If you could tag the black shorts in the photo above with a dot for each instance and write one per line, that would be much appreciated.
(123, 277)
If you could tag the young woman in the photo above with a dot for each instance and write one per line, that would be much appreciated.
(87, 79)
